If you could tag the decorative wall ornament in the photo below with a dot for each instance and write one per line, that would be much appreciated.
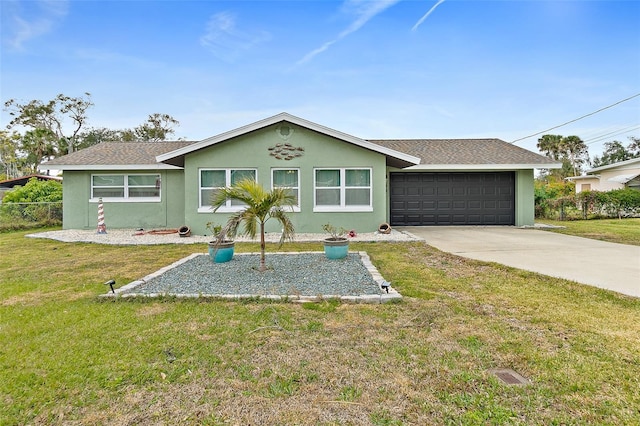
(285, 151)
(284, 131)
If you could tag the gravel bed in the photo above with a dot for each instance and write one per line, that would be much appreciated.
(290, 274)
(135, 237)
(294, 276)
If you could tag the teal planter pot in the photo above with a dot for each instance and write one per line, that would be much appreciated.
(336, 248)
(223, 252)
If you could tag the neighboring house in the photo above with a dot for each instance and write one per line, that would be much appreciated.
(337, 178)
(624, 174)
(9, 184)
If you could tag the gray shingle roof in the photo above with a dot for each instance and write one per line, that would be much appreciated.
(430, 151)
(465, 151)
(118, 153)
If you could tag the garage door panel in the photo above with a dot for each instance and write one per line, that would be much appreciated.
(428, 218)
(429, 205)
(504, 219)
(452, 198)
(474, 219)
(474, 204)
(398, 191)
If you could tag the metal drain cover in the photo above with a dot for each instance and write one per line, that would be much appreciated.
(509, 376)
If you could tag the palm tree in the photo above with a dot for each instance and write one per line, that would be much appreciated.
(576, 151)
(261, 205)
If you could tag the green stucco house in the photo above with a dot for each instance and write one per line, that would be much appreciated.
(338, 178)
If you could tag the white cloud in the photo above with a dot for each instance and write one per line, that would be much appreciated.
(23, 21)
(224, 39)
(426, 15)
(362, 11)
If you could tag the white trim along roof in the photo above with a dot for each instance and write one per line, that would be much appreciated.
(623, 178)
(583, 177)
(78, 167)
(404, 158)
(615, 165)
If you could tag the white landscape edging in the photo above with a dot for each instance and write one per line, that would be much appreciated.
(384, 297)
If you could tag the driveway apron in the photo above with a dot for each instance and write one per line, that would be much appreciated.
(605, 265)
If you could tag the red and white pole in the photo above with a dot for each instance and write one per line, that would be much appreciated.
(102, 228)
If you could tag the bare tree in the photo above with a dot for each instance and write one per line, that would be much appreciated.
(55, 116)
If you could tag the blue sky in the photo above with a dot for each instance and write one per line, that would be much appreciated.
(376, 69)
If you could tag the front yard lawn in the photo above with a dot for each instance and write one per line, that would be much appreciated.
(68, 357)
(623, 231)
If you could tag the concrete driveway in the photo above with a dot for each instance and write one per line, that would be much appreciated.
(606, 265)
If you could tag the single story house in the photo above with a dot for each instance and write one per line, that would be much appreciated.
(338, 178)
(620, 175)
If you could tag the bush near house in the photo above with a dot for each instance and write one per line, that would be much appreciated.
(38, 203)
(553, 202)
(623, 202)
(550, 197)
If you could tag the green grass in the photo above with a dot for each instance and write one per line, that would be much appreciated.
(68, 357)
(623, 231)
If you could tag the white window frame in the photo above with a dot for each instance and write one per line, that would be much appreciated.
(296, 207)
(228, 208)
(126, 198)
(343, 189)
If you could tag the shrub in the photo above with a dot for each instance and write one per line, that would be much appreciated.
(546, 195)
(621, 202)
(38, 203)
(35, 191)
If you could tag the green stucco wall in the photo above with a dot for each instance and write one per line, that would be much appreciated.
(75, 200)
(525, 211)
(252, 151)
(79, 212)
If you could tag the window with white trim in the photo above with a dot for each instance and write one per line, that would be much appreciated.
(290, 179)
(126, 187)
(342, 190)
(212, 180)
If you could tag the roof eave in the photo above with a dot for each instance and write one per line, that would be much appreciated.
(402, 157)
(485, 166)
(614, 165)
(80, 167)
(572, 178)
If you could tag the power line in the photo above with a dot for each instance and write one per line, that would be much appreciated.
(579, 118)
(599, 138)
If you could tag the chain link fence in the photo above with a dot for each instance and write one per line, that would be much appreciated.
(28, 215)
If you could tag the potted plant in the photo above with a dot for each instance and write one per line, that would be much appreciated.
(221, 249)
(336, 246)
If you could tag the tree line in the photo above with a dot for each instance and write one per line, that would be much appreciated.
(40, 131)
(573, 153)
(555, 197)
